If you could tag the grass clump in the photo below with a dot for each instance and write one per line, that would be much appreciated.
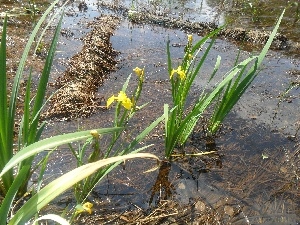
(125, 109)
(179, 122)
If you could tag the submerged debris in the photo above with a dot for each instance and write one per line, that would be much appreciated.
(86, 72)
(166, 212)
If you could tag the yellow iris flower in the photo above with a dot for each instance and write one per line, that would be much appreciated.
(190, 39)
(94, 133)
(179, 71)
(139, 72)
(86, 207)
(122, 97)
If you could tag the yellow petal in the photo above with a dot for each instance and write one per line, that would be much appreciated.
(190, 39)
(181, 73)
(172, 73)
(127, 103)
(88, 207)
(138, 71)
(94, 133)
(110, 100)
(121, 96)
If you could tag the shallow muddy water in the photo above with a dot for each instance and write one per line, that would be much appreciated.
(254, 176)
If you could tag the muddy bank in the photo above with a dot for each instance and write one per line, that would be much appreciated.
(87, 70)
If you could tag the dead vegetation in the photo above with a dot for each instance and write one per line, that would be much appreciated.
(166, 212)
(87, 70)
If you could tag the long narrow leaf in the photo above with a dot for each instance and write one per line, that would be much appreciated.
(187, 130)
(202, 105)
(40, 96)
(5, 152)
(203, 40)
(50, 143)
(199, 65)
(24, 125)
(32, 135)
(233, 93)
(19, 73)
(3, 92)
(216, 68)
(125, 85)
(166, 114)
(170, 67)
(143, 134)
(63, 183)
(103, 172)
(10, 195)
(52, 217)
(7, 124)
(48, 24)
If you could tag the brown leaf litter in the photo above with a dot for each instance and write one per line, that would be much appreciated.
(87, 70)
